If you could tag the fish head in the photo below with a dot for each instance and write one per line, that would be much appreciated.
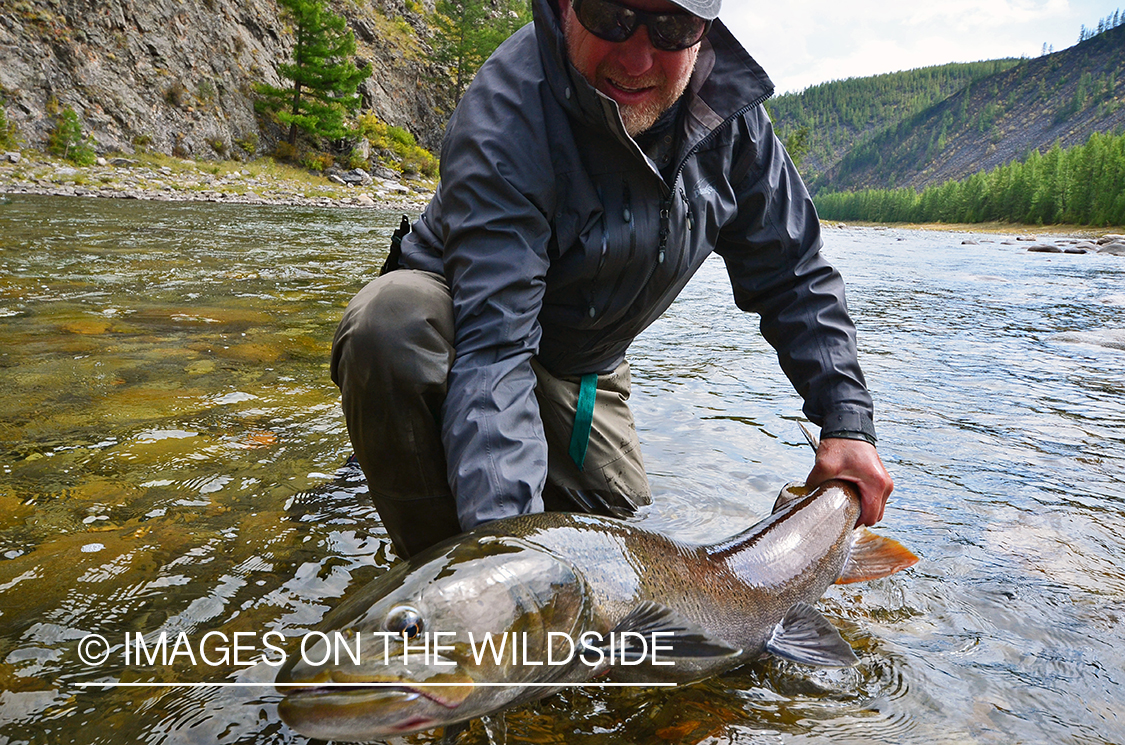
(430, 642)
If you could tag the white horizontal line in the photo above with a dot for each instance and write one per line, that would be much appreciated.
(110, 684)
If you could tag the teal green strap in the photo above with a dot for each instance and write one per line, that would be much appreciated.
(583, 419)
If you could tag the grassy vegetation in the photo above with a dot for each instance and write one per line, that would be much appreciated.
(403, 151)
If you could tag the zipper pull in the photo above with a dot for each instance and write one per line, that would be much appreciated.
(665, 228)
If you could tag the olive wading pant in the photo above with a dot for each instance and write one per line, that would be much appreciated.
(391, 357)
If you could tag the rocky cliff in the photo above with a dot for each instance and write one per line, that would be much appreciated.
(176, 76)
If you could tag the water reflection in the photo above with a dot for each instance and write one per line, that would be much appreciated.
(173, 450)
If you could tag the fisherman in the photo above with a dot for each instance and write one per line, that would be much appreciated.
(597, 159)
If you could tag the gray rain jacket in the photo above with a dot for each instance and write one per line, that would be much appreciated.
(560, 239)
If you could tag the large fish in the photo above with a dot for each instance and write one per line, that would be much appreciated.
(501, 614)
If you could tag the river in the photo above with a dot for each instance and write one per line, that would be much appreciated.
(172, 450)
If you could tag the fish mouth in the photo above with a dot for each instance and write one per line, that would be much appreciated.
(374, 693)
(360, 712)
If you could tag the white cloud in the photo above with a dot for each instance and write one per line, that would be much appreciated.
(805, 42)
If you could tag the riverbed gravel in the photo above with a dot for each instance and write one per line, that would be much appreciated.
(169, 179)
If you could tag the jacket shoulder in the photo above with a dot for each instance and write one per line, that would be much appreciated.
(506, 122)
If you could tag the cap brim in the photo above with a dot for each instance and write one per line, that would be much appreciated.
(707, 9)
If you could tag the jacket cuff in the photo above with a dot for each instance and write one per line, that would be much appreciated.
(846, 424)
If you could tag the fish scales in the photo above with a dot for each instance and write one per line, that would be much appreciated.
(550, 576)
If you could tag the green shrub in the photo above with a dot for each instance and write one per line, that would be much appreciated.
(390, 139)
(66, 139)
(318, 162)
(419, 160)
(177, 94)
(141, 143)
(285, 152)
(249, 143)
(8, 139)
(400, 136)
(353, 160)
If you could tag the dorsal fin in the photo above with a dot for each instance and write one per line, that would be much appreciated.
(791, 492)
(873, 556)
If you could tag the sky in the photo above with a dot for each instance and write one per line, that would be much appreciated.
(805, 42)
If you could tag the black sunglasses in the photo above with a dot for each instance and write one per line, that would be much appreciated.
(669, 32)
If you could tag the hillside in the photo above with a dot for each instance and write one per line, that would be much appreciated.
(1061, 97)
(175, 76)
(842, 113)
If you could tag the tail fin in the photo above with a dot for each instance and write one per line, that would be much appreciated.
(873, 556)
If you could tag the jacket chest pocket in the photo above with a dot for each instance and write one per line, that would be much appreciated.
(604, 250)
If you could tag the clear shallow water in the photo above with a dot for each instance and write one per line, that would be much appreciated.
(170, 452)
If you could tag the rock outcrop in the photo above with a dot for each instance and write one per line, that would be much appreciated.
(176, 76)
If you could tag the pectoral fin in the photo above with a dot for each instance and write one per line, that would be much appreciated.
(873, 556)
(807, 637)
(686, 640)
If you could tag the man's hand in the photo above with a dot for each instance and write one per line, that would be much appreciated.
(858, 462)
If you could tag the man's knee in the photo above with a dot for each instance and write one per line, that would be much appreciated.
(398, 328)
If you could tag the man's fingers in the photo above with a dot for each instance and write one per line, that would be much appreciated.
(858, 462)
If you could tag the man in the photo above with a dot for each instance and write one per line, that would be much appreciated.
(597, 159)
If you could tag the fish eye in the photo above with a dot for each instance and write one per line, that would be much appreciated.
(404, 620)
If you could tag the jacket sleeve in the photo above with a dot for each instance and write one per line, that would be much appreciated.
(772, 253)
(495, 233)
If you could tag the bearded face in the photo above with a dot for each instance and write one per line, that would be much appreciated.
(643, 80)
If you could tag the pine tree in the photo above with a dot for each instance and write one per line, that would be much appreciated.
(797, 145)
(7, 130)
(323, 74)
(67, 140)
(469, 31)
(1083, 185)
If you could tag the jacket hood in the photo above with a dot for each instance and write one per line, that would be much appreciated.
(723, 66)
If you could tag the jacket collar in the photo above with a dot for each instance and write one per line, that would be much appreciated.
(726, 80)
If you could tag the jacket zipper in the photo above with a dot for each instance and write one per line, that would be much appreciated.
(666, 203)
(666, 206)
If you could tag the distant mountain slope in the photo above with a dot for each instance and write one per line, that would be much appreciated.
(842, 113)
(1061, 97)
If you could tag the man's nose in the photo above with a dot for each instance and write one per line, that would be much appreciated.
(636, 54)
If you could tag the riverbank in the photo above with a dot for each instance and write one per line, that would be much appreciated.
(1070, 239)
(161, 178)
(267, 181)
(998, 229)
